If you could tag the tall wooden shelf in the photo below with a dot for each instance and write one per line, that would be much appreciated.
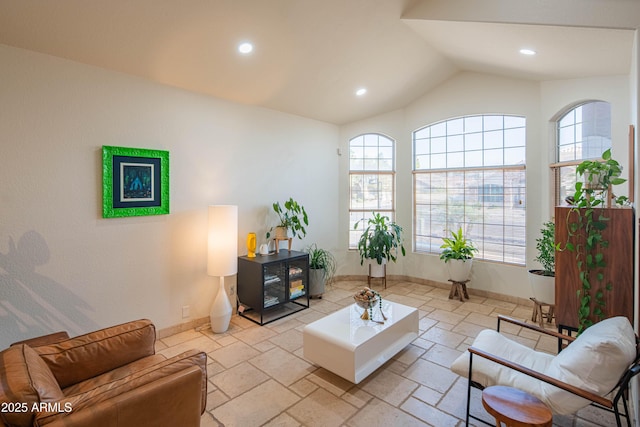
(619, 271)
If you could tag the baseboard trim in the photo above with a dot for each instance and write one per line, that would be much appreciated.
(182, 327)
(195, 323)
(477, 292)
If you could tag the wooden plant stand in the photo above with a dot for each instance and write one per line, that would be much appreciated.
(278, 240)
(384, 278)
(539, 314)
(459, 290)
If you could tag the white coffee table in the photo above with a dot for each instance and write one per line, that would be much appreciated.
(353, 348)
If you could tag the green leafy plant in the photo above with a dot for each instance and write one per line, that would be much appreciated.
(292, 216)
(599, 177)
(546, 247)
(380, 240)
(457, 247)
(586, 224)
(322, 259)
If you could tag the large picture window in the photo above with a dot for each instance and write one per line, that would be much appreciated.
(584, 132)
(469, 172)
(371, 181)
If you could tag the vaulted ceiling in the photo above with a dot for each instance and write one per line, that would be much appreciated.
(310, 56)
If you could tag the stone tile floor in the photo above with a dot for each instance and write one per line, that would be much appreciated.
(259, 377)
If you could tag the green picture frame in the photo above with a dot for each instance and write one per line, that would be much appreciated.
(135, 182)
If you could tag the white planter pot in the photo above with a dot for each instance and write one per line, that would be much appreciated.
(377, 270)
(459, 269)
(543, 288)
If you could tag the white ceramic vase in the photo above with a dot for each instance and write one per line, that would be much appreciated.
(459, 269)
(221, 310)
(377, 270)
(543, 287)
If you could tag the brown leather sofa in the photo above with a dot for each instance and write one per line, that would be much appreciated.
(108, 378)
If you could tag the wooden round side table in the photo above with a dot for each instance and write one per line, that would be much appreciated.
(515, 408)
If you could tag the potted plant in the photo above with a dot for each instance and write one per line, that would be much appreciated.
(322, 268)
(458, 255)
(586, 223)
(380, 241)
(293, 217)
(543, 280)
(598, 179)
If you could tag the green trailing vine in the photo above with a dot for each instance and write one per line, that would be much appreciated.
(586, 224)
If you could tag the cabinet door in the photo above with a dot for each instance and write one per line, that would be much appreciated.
(619, 271)
(274, 284)
(298, 276)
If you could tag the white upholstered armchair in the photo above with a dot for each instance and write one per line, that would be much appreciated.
(594, 368)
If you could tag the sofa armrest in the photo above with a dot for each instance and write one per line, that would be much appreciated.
(539, 376)
(157, 392)
(92, 354)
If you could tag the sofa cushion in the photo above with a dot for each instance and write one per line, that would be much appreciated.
(104, 390)
(595, 361)
(77, 359)
(25, 380)
(114, 375)
(488, 373)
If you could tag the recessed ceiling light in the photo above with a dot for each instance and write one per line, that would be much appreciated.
(245, 48)
(361, 91)
(527, 51)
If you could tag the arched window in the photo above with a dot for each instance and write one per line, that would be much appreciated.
(469, 172)
(371, 180)
(583, 132)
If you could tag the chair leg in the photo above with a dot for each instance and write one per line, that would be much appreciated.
(466, 421)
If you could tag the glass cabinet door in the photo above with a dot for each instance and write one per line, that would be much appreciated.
(297, 279)
(274, 285)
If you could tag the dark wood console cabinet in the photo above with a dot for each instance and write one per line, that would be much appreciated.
(619, 271)
(273, 286)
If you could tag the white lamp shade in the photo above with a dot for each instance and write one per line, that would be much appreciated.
(223, 240)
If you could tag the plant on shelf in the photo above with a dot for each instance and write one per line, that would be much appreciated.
(293, 217)
(543, 280)
(381, 240)
(586, 223)
(598, 179)
(457, 253)
(322, 268)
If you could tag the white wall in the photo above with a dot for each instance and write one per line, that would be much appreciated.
(472, 93)
(635, 120)
(62, 266)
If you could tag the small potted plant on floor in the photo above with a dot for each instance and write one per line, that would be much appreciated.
(543, 280)
(293, 217)
(322, 268)
(380, 243)
(458, 254)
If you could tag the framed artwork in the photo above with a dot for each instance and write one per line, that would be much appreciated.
(135, 182)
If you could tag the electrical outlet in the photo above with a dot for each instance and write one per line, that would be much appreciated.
(185, 311)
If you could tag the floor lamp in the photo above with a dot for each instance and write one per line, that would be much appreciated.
(222, 260)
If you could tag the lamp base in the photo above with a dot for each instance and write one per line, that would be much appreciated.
(221, 310)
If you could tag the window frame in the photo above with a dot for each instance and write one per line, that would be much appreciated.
(517, 254)
(556, 168)
(363, 213)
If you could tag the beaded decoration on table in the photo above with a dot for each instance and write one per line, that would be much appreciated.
(366, 298)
